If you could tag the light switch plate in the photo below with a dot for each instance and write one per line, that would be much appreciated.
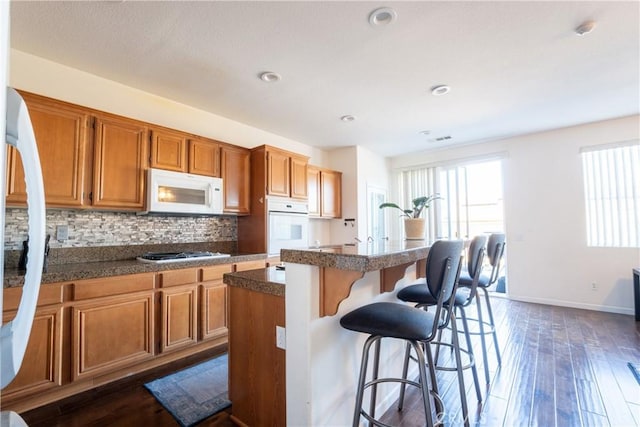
(281, 338)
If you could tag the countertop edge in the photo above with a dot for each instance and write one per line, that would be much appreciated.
(261, 280)
(70, 272)
(354, 262)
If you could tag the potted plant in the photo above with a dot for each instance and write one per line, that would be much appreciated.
(414, 225)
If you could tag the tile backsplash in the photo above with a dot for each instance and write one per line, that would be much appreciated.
(93, 228)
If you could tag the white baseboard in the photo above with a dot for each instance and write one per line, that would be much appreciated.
(572, 304)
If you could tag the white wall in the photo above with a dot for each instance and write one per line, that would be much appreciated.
(549, 261)
(44, 77)
(360, 167)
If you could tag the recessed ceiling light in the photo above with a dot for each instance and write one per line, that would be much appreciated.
(382, 16)
(347, 118)
(585, 28)
(270, 77)
(440, 90)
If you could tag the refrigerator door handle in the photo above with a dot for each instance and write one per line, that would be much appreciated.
(14, 335)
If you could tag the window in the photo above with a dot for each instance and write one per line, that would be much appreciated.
(471, 197)
(612, 194)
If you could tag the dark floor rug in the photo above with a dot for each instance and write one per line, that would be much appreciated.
(635, 368)
(195, 393)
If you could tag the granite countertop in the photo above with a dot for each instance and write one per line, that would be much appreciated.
(265, 280)
(91, 270)
(361, 257)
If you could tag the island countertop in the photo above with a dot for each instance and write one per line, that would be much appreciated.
(265, 280)
(362, 257)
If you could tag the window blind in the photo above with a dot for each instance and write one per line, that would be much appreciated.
(612, 194)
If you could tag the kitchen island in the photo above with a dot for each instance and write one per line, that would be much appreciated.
(321, 360)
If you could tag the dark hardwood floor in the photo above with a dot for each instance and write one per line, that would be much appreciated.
(560, 367)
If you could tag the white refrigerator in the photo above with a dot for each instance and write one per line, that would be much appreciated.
(16, 130)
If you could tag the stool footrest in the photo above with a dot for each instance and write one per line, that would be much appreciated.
(376, 422)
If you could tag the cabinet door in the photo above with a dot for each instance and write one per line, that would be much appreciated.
(111, 333)
(120, 156)
(204, 157)
(213, 302)
(168, 150)
(278, 183)
(299, 178)
(41, 366)
(235, 178)
(179, 317)
(61, 136)
(213, 310)
(331, 191)
(313, 190)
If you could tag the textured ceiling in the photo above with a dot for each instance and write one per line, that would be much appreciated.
(513, 67)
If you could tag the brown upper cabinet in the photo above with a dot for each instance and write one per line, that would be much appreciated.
(62, 137)
(204, 157)
(91, 159)
(235, 167)
(181, 152)
(286, 172)
(325, 193)
(119, 160)
(81, 169)
(168, 150)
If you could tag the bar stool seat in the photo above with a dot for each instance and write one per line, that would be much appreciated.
(390, 320)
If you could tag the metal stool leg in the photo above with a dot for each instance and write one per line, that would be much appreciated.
(423, 381)
(374, 391)
(362, 379)
(493, 326)
(474, 369)
(405, 372)
(456, 349)
(482, 340)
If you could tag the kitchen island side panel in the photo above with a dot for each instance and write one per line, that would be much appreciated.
(256, 365)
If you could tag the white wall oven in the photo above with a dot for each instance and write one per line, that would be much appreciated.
(287, 225)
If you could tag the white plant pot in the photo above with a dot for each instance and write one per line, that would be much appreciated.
(414, 228)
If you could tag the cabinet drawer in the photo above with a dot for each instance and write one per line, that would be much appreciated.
(250, 265)
(107, 286)
(178, 277)
(215, 272)
(49, 294)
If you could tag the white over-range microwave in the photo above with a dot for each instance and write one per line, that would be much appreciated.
(183, 193)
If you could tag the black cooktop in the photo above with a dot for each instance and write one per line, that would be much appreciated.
(158, 257)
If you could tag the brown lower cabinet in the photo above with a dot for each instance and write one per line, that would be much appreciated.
(91, 332)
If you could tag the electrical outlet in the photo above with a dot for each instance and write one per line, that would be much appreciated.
(281, 338)
(594, 286)
(62, 233)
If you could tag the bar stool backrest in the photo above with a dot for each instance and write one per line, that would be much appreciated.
(475, 257)
(443, 269)
(495, 250)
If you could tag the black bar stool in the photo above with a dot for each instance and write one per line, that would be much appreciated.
(416, 326)
(420, 295)
(495, 251)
